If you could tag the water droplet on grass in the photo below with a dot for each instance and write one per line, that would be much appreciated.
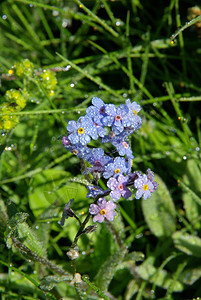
(139, 236)
(65, 23)
(55, 13)
(152, 294)
(67, 68)
(4, 17)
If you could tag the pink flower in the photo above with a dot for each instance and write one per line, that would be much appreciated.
(118, 187)
(102, 210)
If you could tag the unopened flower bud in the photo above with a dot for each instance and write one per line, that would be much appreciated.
(90, 229)
(67, 212)
(73, 253)
(77, 279)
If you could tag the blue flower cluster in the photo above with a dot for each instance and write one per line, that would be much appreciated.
(112, 125)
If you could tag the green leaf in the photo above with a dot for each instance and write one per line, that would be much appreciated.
(158, 276)
(134, 256)
(15, 220)
(108, 269)
(102, 251)
(49, 282)
(190, 276)
(18, 226)
(187, 243)
(159, 211)
(43, 227)
(25, 278)
(191, 178)
(29, 239)
(95, 288)
(3, 215)
(132, 288)
(50, 186)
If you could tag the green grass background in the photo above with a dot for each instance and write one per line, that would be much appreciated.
(113, 50)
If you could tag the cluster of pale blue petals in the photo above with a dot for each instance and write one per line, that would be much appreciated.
(109, 124)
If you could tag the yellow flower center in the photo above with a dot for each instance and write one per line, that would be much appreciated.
(145, 187)
(103, 212)
(135, 113)
(10, 72)
(80, 130)
(117, 171)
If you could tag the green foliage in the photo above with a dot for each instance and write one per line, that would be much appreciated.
(54, 57)
(47, 189)
(191, 202)
(159, 211)
(158, 276)
(107, 270)
(49, 282)
(187, 243)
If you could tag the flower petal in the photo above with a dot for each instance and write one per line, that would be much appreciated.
(94, 209)
(98, 218)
